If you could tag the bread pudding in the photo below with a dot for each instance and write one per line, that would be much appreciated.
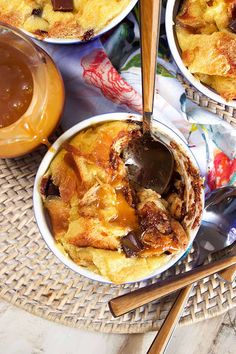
(104, 222)
(82, 19)
(206, 32)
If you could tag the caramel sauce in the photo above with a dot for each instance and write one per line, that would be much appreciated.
(45, 142)
(126, 214)
(101, 154)
(16, 85)
(28, 127)
(51, 149)
(102, 197)
(36, 135)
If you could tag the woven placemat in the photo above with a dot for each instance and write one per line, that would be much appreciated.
(223, 111)
(35, 280)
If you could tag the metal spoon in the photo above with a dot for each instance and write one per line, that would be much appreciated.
(150, 162)
(217, 232)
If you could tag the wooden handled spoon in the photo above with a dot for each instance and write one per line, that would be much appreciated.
(128, 302)
(166, 331)
(149, 161)
(214, 202)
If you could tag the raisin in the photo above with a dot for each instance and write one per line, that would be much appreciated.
(37, 12)
(88, 35)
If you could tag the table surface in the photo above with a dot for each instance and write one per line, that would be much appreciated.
(23, 333)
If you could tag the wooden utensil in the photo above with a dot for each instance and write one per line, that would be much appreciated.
(165, 333)
(216, 233)
(128, 302)
(228, 274)
(221, 202)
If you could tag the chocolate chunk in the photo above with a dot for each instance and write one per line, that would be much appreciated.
(131, 244)
(62, 5)
(37, 12)
(167, 253)
(232, 26)
(43, 185)
(210, 2)
(88, 35)
(52, 189)
(48, 187)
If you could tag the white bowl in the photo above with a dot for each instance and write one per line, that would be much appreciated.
(171, 12)
(40, 214)
(110, 25)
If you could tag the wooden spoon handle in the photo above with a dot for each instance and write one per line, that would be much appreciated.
(228, 274)
(167, 329)
(128, 302)
(150, 26)
(165, 332)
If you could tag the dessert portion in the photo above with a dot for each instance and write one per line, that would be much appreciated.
(106, 224)
(61, 18)
(81, 19)
(206, 32)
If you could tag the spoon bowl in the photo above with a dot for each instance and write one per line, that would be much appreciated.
(150, 162)
(218, 228)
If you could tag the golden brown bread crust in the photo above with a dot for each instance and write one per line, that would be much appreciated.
(94, 187)
(225, 86)
(92, 205)
(59, 212)
(213, 54)
(38, 17)
(160, 231)
(207, 43)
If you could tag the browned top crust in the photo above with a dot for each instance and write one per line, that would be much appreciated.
(92, 204)
(38, 17)
(206, 35)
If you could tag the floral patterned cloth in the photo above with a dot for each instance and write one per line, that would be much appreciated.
(104, 76)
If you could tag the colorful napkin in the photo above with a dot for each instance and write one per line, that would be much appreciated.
(104, 76)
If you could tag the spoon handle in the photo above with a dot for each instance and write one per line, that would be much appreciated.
(167, 329)
(228, 274)
(128, 302)
(150, 12)
(164, 334)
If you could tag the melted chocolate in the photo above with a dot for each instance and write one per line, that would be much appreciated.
(131, 244)
(37, 12)
(48, 188)
(62, 5)
(232, 26)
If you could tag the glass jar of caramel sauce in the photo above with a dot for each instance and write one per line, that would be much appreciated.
(31, 94)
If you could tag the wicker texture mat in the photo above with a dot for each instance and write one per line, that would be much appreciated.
(225, 112)
(33, 279)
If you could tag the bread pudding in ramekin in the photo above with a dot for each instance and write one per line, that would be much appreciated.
(98, 220)
(78, 20)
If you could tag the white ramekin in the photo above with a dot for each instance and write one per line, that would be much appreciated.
(110, 25)
(171, 12)
(40, 214)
